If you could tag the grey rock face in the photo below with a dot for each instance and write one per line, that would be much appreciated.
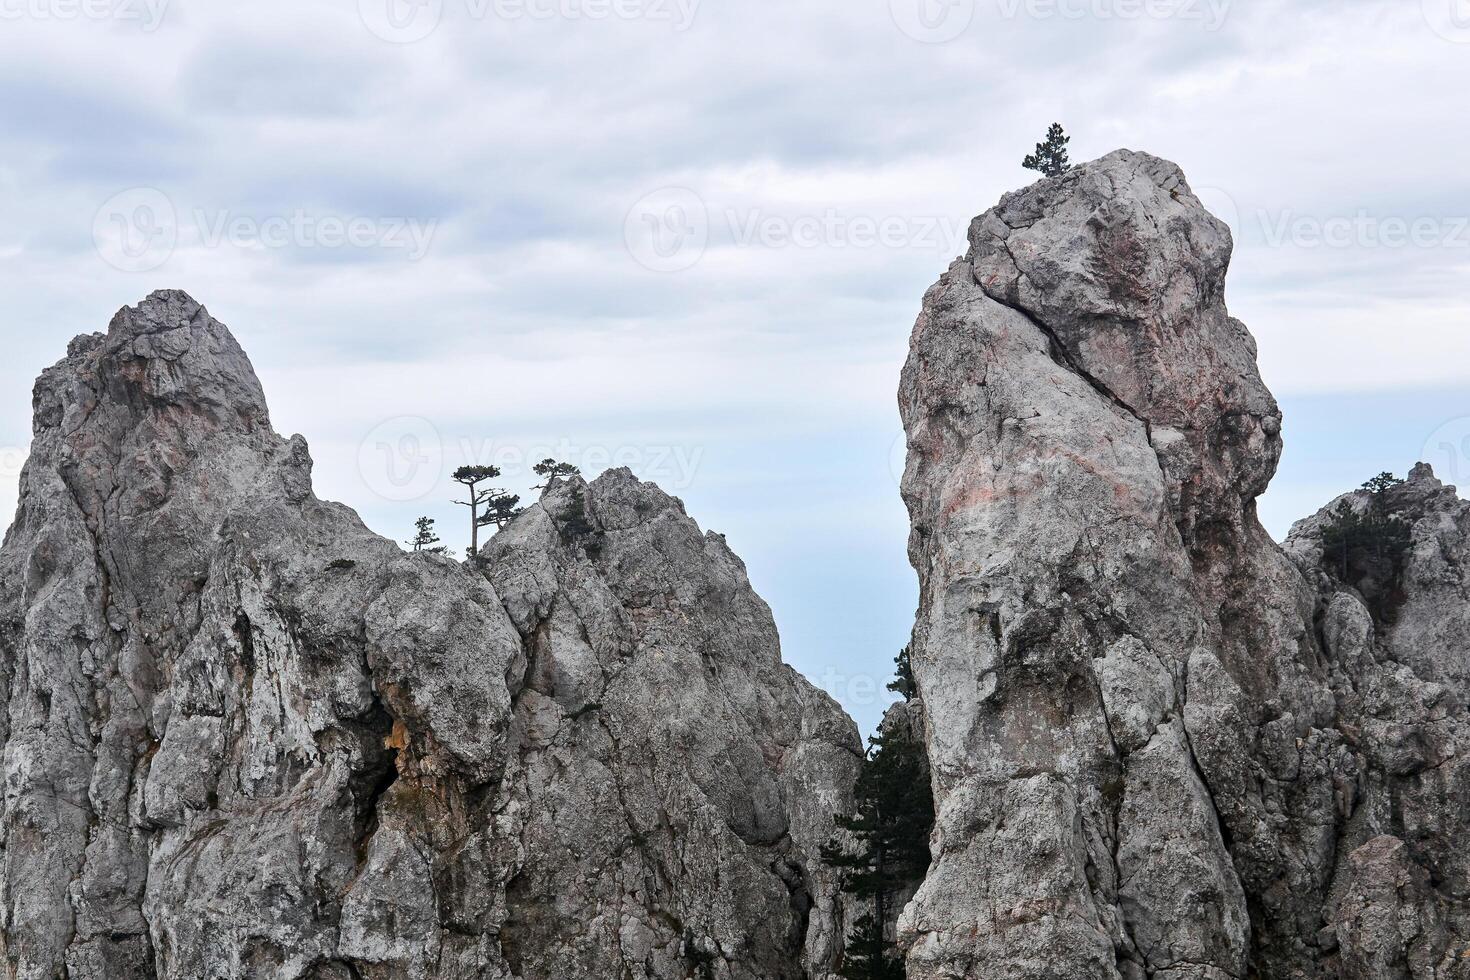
(245, 737)
(1159, 745)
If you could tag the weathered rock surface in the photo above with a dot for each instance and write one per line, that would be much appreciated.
(245, 737)
(1160, 747)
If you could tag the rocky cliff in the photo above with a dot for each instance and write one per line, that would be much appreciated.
(245, 737)
(1162, 746)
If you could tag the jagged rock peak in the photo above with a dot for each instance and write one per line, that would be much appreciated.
(1160, 747)
(245, 737)
(168, 350)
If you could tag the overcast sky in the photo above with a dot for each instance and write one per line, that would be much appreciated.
(691, 236)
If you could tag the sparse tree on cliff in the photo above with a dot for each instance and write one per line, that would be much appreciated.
(425, 538)
(1051, 154)
(488, 505)
(551, 471)
(903, 683)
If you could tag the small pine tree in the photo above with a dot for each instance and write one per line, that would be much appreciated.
(551, 471)
(903, 683)
(1382, 482)
(1051, 154)
(500, 509)
(576, 524)
(425, 538)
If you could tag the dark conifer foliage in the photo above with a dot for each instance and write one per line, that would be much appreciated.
(426, 538)
(887, 852)
(1364, 547)
(488, 505)
(1051, 154)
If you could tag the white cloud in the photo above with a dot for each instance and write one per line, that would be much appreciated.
(526, 141)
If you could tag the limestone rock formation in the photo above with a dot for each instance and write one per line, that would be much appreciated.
(1160, 746)
(244, 737)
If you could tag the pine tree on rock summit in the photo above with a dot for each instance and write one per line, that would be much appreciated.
(1051, 154)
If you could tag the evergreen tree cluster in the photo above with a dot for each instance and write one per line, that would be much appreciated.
(1365, 548)
(888, 848)
(492, 505)
(488, 505)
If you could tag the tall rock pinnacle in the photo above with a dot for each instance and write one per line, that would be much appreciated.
(244, 737)
(1149, 760)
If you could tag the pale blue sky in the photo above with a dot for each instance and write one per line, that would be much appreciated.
(692, 235)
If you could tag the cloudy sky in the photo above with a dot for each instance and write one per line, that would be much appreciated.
(690, 236)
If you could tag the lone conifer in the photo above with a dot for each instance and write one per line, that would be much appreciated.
(1051, 154)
